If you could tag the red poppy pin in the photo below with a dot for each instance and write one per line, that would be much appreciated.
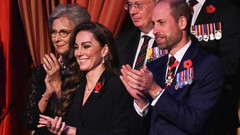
(187, 64)
(210, 9)
(98, 86)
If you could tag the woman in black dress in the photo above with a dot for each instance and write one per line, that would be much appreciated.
(101, 104)
(41, 100)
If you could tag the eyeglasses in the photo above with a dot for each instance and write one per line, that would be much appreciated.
(139, 6)
(62, 33)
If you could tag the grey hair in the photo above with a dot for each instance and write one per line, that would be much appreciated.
(73, 12)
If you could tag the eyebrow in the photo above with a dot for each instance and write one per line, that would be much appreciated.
(86, 42)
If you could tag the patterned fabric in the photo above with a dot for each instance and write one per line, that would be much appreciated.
(142, 53)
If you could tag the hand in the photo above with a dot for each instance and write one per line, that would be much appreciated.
(55, 126)
(140, 80)
(49, 88)
(52, 67)
(140, 98)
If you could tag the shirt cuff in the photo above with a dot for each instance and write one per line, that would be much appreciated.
(157, 97)
(142, 112)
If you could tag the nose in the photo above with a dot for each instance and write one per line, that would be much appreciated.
(155, 30)
(132, 10)
(57, 38)
(78, 52)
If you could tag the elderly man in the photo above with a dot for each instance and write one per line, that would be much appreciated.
(183, 87)
(132, 45)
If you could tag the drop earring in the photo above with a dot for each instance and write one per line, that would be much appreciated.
(103, 61)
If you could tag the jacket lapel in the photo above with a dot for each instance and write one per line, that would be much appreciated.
(94, 97)
(190, 54)
(132, 47)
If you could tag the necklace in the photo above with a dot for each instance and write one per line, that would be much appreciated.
(89, 89)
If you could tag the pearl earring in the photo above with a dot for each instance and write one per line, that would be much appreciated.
(103, 61)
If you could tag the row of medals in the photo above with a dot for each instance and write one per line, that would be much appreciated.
(155, 53)
(184, 78)
(205, 32)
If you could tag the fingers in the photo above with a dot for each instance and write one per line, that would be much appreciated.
(140, 80)
(41, 125)
(45, 117)
(54, 125)
(50, 63)
(124, 82)
(49, 125)
(62, 128)
(58, 124)
(55, 61)
(134, 78)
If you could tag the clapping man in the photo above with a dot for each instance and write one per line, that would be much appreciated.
(176, 94)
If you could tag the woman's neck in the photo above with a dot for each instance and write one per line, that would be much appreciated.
(94, 75)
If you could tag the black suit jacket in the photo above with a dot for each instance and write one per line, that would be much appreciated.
(127, 44)
(228, 50)
(186, 110)
(104, 113)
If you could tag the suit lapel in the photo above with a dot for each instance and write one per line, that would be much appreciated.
(132, 46)
(94, 97)
(190, 54)
(158, 68)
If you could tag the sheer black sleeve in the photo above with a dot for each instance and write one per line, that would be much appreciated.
(36, 89)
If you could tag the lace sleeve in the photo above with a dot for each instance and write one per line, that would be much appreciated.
(36, 89)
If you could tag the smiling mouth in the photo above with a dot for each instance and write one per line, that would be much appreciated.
(159, 38)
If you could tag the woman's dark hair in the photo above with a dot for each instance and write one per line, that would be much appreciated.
(104, 36)
(72, 80)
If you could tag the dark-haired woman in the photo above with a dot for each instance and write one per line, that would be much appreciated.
(101, 104)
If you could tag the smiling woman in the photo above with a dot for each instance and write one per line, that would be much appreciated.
(101, 104)
(46, 80)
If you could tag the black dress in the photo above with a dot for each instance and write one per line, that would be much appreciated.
(107, 110)
(31, 111)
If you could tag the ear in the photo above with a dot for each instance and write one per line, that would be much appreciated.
(182, 22)
(105, 50)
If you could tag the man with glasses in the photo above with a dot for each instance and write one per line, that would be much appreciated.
(129, 42)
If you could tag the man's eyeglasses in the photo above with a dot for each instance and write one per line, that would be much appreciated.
(62, 33)
(139, 6)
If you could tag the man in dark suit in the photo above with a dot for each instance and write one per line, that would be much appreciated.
(129, 42)
(216, 29)
(183, 87)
